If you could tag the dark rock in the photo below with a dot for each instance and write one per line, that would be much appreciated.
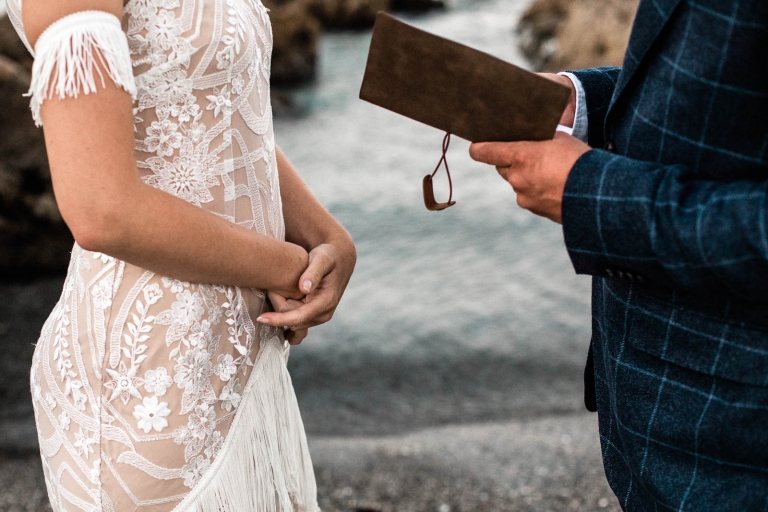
(33, 235)
(297, 25)
(538, 29)
(348, 14)
(296, 33)
(417, 5)
(11, 46)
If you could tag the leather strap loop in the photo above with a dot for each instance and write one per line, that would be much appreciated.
(427, 185)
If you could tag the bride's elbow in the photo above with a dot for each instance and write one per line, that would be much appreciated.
(96, 229)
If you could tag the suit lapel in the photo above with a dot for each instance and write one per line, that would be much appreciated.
(652, 16)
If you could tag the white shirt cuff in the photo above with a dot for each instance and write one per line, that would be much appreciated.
(580, 121)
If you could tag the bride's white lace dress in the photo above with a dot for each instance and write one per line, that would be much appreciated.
(152, 394)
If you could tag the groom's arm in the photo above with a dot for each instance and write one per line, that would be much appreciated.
(598, 85)
(663, 225)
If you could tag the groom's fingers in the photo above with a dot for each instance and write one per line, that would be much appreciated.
(486, 152)
(500, 154)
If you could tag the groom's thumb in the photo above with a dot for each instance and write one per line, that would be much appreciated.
(319, 266)
(492, 153)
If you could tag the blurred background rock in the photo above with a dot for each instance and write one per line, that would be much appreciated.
(572, 34)
(33, 236)
(297, 25)
(450, 379)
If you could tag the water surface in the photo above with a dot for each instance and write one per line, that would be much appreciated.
(469, 314)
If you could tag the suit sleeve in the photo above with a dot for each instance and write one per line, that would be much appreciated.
(598, 84)
(667, 226)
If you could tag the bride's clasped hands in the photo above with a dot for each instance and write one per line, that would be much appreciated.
(330, 266)
(331, 260)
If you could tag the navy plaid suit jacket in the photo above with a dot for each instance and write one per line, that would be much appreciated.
(670, 216)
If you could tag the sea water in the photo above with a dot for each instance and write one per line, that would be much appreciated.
(466, 315)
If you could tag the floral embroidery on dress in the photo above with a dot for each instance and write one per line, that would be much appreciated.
(193, 471)
(84, 443)
(230, 395)
(131, 363)
(157, 381)
(163, 138)
(151, 415)
(124, 383)
(188, 176)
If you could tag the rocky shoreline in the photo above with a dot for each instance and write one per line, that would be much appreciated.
(553, 34)
(36, 239)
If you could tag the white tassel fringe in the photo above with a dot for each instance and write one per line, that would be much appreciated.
(264, 465)
(73, 51)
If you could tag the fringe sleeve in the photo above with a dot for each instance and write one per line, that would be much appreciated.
(74, 52)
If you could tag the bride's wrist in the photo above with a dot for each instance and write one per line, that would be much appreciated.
(296, 262)
(343, 246)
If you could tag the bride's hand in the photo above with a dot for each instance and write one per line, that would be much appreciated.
(283, 305)
(324, 282)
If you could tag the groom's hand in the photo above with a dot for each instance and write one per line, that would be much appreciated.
(537, 171)
(569, 114)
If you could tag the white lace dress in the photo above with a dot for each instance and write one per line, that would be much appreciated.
(152, 394)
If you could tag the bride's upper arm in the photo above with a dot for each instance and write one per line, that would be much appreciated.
(81, 89)
(38, 15)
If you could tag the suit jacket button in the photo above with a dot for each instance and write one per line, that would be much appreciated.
(609, 146)
(609, 272)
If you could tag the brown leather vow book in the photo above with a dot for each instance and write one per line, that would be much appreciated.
(458, 89)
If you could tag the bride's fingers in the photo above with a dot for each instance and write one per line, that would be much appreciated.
(320, 265)
(296, 337)
(317, 310)
(281, 304)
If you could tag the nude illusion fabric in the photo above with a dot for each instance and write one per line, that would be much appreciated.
(152, 394)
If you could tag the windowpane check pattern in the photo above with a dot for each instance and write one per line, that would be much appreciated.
(668, 214)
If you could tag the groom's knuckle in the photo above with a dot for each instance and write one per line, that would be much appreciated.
(520, 158)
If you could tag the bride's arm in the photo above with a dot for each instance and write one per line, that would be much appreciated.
(332, 255)
(307, 222)
(109, 209)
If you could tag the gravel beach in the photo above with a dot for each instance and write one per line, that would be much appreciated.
(527, 460)
(546, 464)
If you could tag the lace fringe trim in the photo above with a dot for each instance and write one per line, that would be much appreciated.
(264, 464)
(73, 51)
